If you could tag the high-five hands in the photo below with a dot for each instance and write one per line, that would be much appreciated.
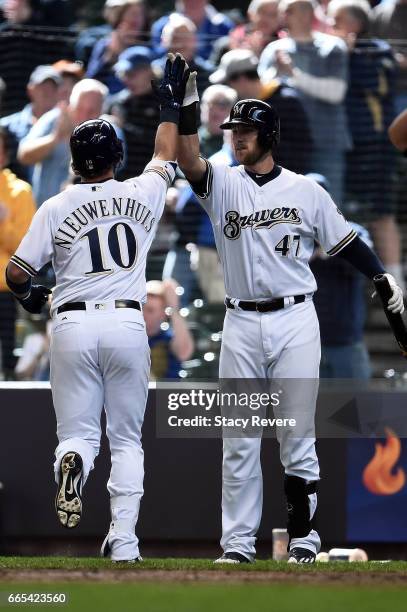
(191, 91)
(170, 91)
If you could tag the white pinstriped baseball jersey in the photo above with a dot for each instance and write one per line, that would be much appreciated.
(97, 236)
(265, 234)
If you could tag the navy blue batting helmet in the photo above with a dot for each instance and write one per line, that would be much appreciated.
(259, 115)
(95, 147)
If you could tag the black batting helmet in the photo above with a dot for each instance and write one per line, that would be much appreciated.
(95, 147)
(259, 115)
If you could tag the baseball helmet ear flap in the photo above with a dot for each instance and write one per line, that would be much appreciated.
(269, 138)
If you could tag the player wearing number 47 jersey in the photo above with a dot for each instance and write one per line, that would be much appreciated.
(266, 220)
(97, 235)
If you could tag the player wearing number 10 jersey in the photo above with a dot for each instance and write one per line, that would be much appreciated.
(97, 235)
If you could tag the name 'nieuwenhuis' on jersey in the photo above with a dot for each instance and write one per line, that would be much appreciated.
(97, 209)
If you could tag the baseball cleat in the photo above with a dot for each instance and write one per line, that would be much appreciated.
(233, 557)
(106, 550)
(68, 500)
(301, 555)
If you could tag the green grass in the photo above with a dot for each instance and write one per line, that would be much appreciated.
(217, 597)
(90, 563)
(187, 595)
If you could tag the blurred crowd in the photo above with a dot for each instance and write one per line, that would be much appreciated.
(336, 72)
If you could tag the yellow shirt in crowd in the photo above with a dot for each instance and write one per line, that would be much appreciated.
(16, 196)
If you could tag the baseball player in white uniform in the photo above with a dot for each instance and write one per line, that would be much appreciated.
(97, 235)
(266, 219)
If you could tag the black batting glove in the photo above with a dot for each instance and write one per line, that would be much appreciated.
(36, 299)
(170, 90)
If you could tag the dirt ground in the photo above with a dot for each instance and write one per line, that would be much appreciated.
(201, 576)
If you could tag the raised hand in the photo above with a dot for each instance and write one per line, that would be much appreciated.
(191, 92)
(170, 90)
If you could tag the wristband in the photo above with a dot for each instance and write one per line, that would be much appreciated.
(188, 124)
(170, 114)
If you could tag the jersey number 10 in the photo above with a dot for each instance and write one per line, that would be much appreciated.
(119, 239)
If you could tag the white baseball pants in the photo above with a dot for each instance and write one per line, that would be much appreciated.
(100, 358)
(274, 345)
